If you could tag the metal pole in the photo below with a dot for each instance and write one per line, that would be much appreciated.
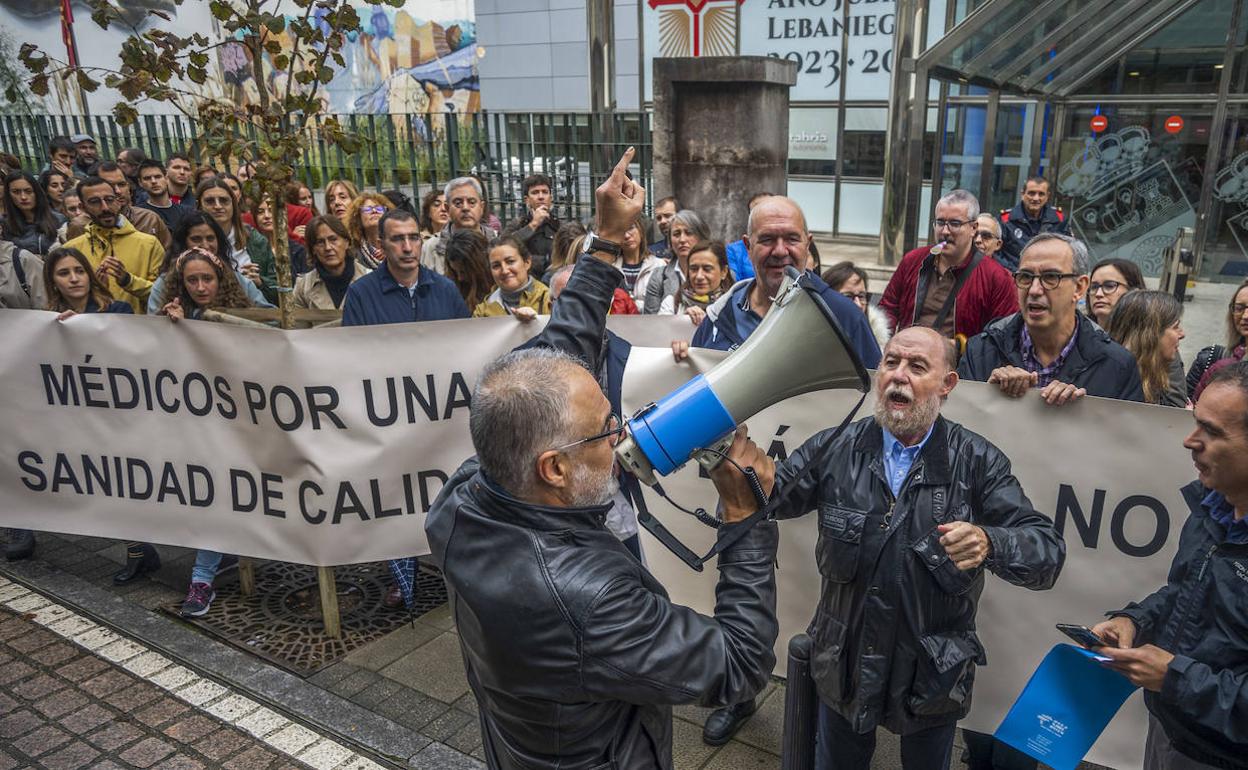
(907, 116)
(990, 150)
(600, 24)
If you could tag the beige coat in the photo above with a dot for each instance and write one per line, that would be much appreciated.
(310, 292)
(12, 294)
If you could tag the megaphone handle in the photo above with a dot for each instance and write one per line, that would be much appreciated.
(710, 457)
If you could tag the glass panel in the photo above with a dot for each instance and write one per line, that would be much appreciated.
(863, 144)
(1026, 38)
(812, 141)
(1012, 156)
(1184, 57)
(962, 156)
(1239, 74)
(1225, 255)
(1128, 188)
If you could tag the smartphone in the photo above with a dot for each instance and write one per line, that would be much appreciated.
(1081, 634)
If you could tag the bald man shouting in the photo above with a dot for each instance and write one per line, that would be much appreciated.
(912, 510)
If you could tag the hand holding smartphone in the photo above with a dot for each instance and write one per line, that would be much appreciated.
(1082, 635)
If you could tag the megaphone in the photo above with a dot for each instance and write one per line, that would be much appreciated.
(799, 347)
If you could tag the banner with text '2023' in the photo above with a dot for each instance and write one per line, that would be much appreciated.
(327, 446)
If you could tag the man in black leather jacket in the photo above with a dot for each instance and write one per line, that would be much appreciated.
(572, 649)
(912, 510)
(1187, 643)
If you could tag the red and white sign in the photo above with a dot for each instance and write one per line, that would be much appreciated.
(1099, 123)
(1174, 124)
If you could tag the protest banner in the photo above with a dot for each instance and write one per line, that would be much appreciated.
(327, 446)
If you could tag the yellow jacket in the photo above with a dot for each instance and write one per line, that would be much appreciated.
(141, 254)
(537, 297)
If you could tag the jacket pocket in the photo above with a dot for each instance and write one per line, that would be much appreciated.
(944, 673)
(829, 663)
(942, 569)
(840, 541)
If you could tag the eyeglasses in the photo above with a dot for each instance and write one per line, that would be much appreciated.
(859, 296)
(985, 235)
(1239, 308)
(107, 200)
(373, 209)
(1108, 287)
(1023, 279)
(952, 224)
(615, 428)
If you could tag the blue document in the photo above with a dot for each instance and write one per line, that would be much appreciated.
(1065, 707)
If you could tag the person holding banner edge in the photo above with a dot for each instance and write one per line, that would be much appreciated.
(573, 650)
(1186, 644)
(912, 509)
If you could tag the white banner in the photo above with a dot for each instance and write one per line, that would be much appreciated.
(327, 446)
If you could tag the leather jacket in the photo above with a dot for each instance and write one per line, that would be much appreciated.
(894, 631)
(573, 650)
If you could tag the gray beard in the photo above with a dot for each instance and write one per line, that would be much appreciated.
(590, 488)
(915, 420)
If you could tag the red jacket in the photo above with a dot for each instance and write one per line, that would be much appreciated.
(987, 295)
(295, 216)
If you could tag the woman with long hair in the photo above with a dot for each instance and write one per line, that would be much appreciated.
(707, 277)
(516, 293)
(338, 196)
(685, 230)
(55, 184)
(560, 250)
(29, 221)
(299, 194)
(262, 215)
(637, 263)
(433, 214)
(1148, 323)
(198, 230)
(1110, 281)
(74, 288)
(250, 252)
(467, 265)
(363, 217)
(1215, 357)
(332, 271)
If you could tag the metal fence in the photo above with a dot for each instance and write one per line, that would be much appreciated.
(412, 152)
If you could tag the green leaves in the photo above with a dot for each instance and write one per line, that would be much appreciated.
(220, 10)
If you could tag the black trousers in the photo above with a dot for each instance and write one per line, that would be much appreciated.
(838, 747)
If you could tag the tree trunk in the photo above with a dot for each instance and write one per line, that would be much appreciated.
(281, 252)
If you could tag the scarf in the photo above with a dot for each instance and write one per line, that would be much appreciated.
(339, 284)
(511, 299)
(689, 298)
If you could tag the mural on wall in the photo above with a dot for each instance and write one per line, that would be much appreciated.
(420, 58)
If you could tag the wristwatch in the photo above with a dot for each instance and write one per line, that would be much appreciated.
(595, 244)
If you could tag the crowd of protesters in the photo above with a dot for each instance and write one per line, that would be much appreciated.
(1014, 298)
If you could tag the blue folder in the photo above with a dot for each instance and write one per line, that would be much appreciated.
(1065, 707)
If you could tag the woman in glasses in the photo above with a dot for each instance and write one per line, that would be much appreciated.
(1148, 323)
(850, 281)
(1110, 282)
(1214, 357)
(363, 216)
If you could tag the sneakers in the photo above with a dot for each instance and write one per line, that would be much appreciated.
(198, 600)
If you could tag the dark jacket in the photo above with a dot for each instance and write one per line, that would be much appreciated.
(379, 299)
(1096, 363)
(894, 631)
(1201, 617)
(33, 240)
(988, 294)
(538, 241)
(573, 650)
(1017, 231)
(719, 329)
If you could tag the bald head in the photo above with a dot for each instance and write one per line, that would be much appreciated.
(778, 205)
(777, 240)
(921, 338)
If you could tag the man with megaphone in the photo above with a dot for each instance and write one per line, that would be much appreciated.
(572, 649)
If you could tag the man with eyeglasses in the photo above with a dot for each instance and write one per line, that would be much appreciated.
(144, 221)
(1030, 216)
(400, 290)
(128, 261)
(951, 286)
(465, 204)
(574, 652)
(1049, 345)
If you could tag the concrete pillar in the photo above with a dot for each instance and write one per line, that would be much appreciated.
(721, 133)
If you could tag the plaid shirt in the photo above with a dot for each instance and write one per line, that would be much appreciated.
(1044, 374)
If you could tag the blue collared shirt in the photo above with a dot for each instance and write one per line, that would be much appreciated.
(1223, 512)
(898, 459)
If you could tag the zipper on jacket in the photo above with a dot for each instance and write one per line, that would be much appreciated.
(1208, 558)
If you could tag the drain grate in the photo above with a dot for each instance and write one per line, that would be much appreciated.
(281, 622)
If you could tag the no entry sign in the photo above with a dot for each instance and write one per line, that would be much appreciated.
(1174, 124)
(1099, 123)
